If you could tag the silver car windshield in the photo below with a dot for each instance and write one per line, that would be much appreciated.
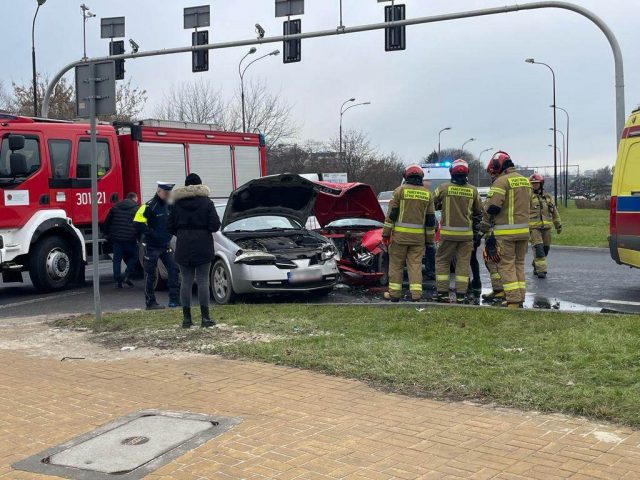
(263, 223)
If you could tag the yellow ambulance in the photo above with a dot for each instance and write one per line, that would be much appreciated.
(624, 226)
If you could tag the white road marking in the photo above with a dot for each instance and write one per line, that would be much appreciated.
(620, 302)
(38, 300)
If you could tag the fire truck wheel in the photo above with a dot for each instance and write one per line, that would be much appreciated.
(221, 284)
(51, 264)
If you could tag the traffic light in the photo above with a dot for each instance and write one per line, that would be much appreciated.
(395, 38)
(200, 59)
(292, 48)
(117, 48)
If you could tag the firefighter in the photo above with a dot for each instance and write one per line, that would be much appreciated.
(459, 203)
(409, 226)
(543, 215)
(151, 227)
(497, 293)
(506, 225)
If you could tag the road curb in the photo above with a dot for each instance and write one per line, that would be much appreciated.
(571, 247)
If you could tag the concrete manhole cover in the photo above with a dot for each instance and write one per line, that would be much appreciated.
(129, 448)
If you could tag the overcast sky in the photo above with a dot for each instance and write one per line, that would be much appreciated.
(468, 74)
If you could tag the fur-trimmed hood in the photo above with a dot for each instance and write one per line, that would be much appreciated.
(191, 191)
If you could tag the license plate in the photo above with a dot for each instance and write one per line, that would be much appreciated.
(304, 276)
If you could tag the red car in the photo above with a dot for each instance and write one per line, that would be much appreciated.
(350, 215)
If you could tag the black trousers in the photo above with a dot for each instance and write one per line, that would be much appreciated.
(151, 256)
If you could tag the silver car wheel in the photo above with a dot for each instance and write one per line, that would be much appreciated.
(221, 284)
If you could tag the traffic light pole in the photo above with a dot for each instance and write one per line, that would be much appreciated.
(615, 46)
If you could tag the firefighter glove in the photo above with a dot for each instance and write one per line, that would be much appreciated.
(491, 247)
(484, 226)
(386, 241)
(558, 228)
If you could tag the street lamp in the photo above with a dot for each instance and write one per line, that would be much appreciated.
(555, 125)
(439, 134)
(562, 160)
(468, 141)
(242, 71)
(343, 111)
(559, 152)
(33, 59)
(480, 162)
(566, 159)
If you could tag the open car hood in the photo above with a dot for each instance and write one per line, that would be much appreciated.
(285, 195)
(346, 200)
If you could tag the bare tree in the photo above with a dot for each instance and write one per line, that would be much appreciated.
(5, 99)
(195, 101)
(62, 105)
(130, 101)
(357, 152)
(266, 112)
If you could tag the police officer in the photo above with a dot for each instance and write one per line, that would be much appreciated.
(543, 215)
(410, 224)
(459, 203)
(151, 226)
(507, 224)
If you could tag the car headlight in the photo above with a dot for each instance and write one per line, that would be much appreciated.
(254, 257)
(328, 252)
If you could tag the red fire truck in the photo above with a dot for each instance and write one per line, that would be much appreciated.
(45, 191)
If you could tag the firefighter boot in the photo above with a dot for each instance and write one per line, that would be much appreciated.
(387, 296)
(493, 297)
(206, 320)
(186, 317)
(462, 299)
(441, 297)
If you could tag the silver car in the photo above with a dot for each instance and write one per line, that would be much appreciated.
(263, 246)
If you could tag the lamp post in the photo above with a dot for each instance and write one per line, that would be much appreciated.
(563, 161)
(555, 126)
(439, 135)
(555, 166)
(465, 143)
(480, 162)
(566, 159)
(33, 59)
(242, 71)
(343, 111)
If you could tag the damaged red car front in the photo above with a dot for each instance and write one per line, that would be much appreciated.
(350, 215)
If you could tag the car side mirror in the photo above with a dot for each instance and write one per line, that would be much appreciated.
(16, 142)
(18, 163)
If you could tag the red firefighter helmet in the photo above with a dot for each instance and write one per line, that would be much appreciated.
(494, 167)
(459, 167)
(537, 178)
(413, 171)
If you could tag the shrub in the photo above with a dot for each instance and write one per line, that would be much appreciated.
(593, 204)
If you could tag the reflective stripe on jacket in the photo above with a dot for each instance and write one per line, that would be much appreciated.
(410, 216)
(543, 212)
(459, 204)
(511, 193)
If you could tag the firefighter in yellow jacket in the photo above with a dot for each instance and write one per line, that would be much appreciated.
(507, 225)
(543, 215)
(410, 224)
(459, 203)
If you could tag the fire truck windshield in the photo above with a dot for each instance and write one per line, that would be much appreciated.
(31, 153)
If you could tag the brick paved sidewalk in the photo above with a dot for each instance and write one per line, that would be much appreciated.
(299, 425)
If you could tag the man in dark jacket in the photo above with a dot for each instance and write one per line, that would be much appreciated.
(151, 226)
(192, 220)
(119, 229)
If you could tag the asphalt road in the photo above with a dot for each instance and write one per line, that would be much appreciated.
(578, 280)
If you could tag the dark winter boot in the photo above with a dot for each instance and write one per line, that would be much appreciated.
(186, 317)
(206, 321)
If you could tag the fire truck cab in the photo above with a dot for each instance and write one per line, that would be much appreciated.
(45, 187)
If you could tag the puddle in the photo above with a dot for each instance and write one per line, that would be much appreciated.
(541, 302)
